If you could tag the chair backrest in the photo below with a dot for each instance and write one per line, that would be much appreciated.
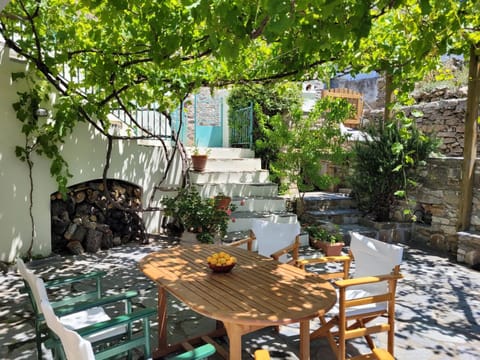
(37, 290)
(374, 257)
(353, 97)
(74, 346)
(272, 237)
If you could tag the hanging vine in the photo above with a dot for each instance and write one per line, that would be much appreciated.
(42, 137)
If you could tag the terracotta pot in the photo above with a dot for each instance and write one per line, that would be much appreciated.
(329, 249)
(222, 202)
(199, 162)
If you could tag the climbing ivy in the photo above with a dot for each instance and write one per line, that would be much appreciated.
(43, 134)
(42, 137)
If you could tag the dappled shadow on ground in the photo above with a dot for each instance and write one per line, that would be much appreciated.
(438, 306)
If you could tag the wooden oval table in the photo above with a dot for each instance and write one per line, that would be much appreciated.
(258, 292)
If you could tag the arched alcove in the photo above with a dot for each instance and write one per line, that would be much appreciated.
(87, 221)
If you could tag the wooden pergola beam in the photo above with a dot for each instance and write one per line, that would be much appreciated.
(470, 146)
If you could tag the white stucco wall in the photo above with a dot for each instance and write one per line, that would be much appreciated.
(84, 151)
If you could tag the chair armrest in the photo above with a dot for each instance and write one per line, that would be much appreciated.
(367, 280)
(345, 259)
(286, 250)
(69, 280)
(55, 282)
(97, 276)
(92, 294)
(247, 240)
(116, 321)
(69, 309)
(325, 259)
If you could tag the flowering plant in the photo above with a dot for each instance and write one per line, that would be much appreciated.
(319, 233)
(199, 215)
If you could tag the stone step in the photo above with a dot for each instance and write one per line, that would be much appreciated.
(233, 164)
(223, 153)
(244, 203)
(238, 189)
(259, 203)
(328, 201)
(229, 176)
(243, 219)
(336, 216)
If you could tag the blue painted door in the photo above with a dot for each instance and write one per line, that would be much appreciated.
(208, 121)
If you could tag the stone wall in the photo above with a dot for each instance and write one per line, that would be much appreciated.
(437, 199)
(443, 118)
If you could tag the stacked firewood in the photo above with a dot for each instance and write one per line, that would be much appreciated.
(90, 219)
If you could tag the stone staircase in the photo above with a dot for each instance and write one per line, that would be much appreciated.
(338, 209)
(236, 173)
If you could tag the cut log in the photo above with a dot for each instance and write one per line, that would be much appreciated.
(93, 240)
(107, 240)
(70, 231)
(75, 247)
(80, 233)
(80, 197)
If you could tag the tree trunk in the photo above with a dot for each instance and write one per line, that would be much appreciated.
(389, 97)
(470, 146)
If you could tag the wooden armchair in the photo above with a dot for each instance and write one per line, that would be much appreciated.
(280, 241)
(73, 346)
(366, 301)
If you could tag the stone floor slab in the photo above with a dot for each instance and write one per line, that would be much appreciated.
(438, 311)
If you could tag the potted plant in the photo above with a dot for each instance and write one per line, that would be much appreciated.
(190, 212)
(330, 242)
(222, 201)
(199, 160)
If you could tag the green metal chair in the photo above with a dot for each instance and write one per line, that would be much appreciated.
(84, 314)
(72, 345)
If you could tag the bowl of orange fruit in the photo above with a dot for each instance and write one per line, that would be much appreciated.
(221, 262)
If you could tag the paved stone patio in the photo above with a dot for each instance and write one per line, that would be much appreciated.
(438, 311)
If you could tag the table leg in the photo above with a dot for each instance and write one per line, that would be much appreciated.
(234, 333)
(304, 340)
(162, 318)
